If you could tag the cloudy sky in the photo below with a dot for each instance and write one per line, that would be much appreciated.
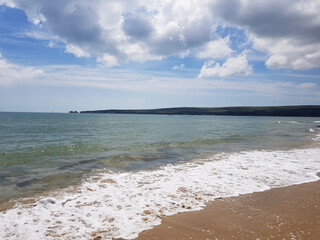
(99, 54)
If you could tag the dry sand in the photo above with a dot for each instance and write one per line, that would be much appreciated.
(283, 213)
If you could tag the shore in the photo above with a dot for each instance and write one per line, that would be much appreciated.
(282, 213)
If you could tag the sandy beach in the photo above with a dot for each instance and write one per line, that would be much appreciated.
(282, 213)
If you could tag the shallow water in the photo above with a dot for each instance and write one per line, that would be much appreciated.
(39, 151)
(127, 170)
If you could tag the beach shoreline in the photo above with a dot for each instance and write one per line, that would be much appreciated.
(291, 212)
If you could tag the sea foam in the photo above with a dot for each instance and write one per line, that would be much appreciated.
(120, 205)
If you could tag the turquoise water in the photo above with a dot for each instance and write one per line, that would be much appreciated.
(43, 151)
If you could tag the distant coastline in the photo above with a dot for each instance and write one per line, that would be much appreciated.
(285, 111)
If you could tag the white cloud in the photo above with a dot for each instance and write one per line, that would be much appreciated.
(307, 85)
(184, 54)
(176, 67)
(38, 20)
(145, 81)
(288, 31)
(137, 31)
(7, 2)
(51, 44)
(232, 66)
(108, 60)
(168, 83)
(215, 49)
(13, 73)
(77, 51)
(287, 53)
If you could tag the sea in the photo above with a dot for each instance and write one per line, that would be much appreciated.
(80, 176)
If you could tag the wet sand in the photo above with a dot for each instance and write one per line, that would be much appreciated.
(283, 213)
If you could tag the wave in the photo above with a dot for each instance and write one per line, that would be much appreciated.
(120, 205)
(290, 122)
(296, 122)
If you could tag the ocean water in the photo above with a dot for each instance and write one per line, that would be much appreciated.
(85, 175)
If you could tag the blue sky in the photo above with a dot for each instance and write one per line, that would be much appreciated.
(85, 55)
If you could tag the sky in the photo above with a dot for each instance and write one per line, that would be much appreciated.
(63, 55)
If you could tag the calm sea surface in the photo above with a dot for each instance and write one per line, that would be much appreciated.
(75, 176)
(40, 151)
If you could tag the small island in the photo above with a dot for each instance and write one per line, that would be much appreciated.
(285, 111)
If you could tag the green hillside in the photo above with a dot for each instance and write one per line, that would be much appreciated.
(303, 111)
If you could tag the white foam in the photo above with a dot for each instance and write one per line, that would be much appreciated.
(317, 137)
(290, 122)
(120, 205)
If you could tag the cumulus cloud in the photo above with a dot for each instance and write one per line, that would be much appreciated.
(13, 73)
(108, 60)
(77, 51)
(233, 66)
(286, 30)
(215, 49)
(140, 30)
(289, 53)
(138, 27)
(119, 31)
